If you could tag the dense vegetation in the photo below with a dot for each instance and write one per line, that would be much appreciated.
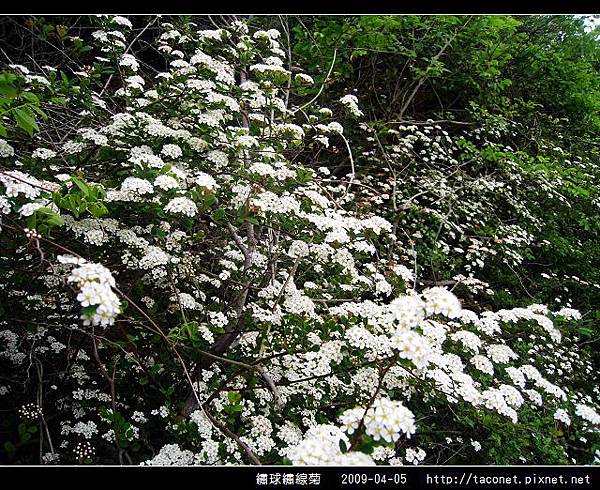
(306, 240)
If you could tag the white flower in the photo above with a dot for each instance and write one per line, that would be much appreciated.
(5, 149)
(171, 151)
(269, 69)
(569, 313)
(351, 103)
(304, 79)
(335, 127)
(205, 181)
(123, 21)
(182, 205)
(562, 416)
(493, 399)
(483, 364)
(320, 446)
(298, 249)
(476, 446)
(21, 68)
(408, 311)
(246, 141)
(468, 339)
(129, 61)
(500, 353)
(353, 458)
(173, 455)
(404, 272)
(587, 413)
(166, 182)
(186, 301)
(137, 186)
(385, 419)
(441, 301)
(415, 456)
(135, 82)
(43, 154)
(5, 206)
(412, 346)
(95, 283)
(30, 208)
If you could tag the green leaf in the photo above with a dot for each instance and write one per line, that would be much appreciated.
(219, 214)
(7, 87)
(83, 186)
(97, 209)
(31, 97)
(9, 447)
(49, 217)
(25, 120)
(234, 397)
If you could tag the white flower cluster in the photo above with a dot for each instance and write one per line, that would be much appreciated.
(562, 416)
(130, 62)
(385, 419)
(123, 21)
(495, 400)
(43, 153)
(166, 182)
(569, 313)
(415, 456)
(205, 181)
(483, 364)
(321, 446)
(304, 79)
(172, 455)
(468, 339)
(186, 301)
(84, 450)
(411, 345)
(351, 103)
(171, 151)
(5, 149)
(17, 182)
(30, 411)
(587, 413)
(95, 283)
(31, 207)
(182, 205)
(136, 185)
(404, 272)
(441, 301)
(500, 353)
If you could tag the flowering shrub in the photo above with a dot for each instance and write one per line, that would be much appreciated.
(183, 286)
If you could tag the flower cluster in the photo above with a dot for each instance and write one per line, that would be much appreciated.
(30, 411)
(182, 205)
(95, 283)
(385, 419)
(351, 103)
(321, 446)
